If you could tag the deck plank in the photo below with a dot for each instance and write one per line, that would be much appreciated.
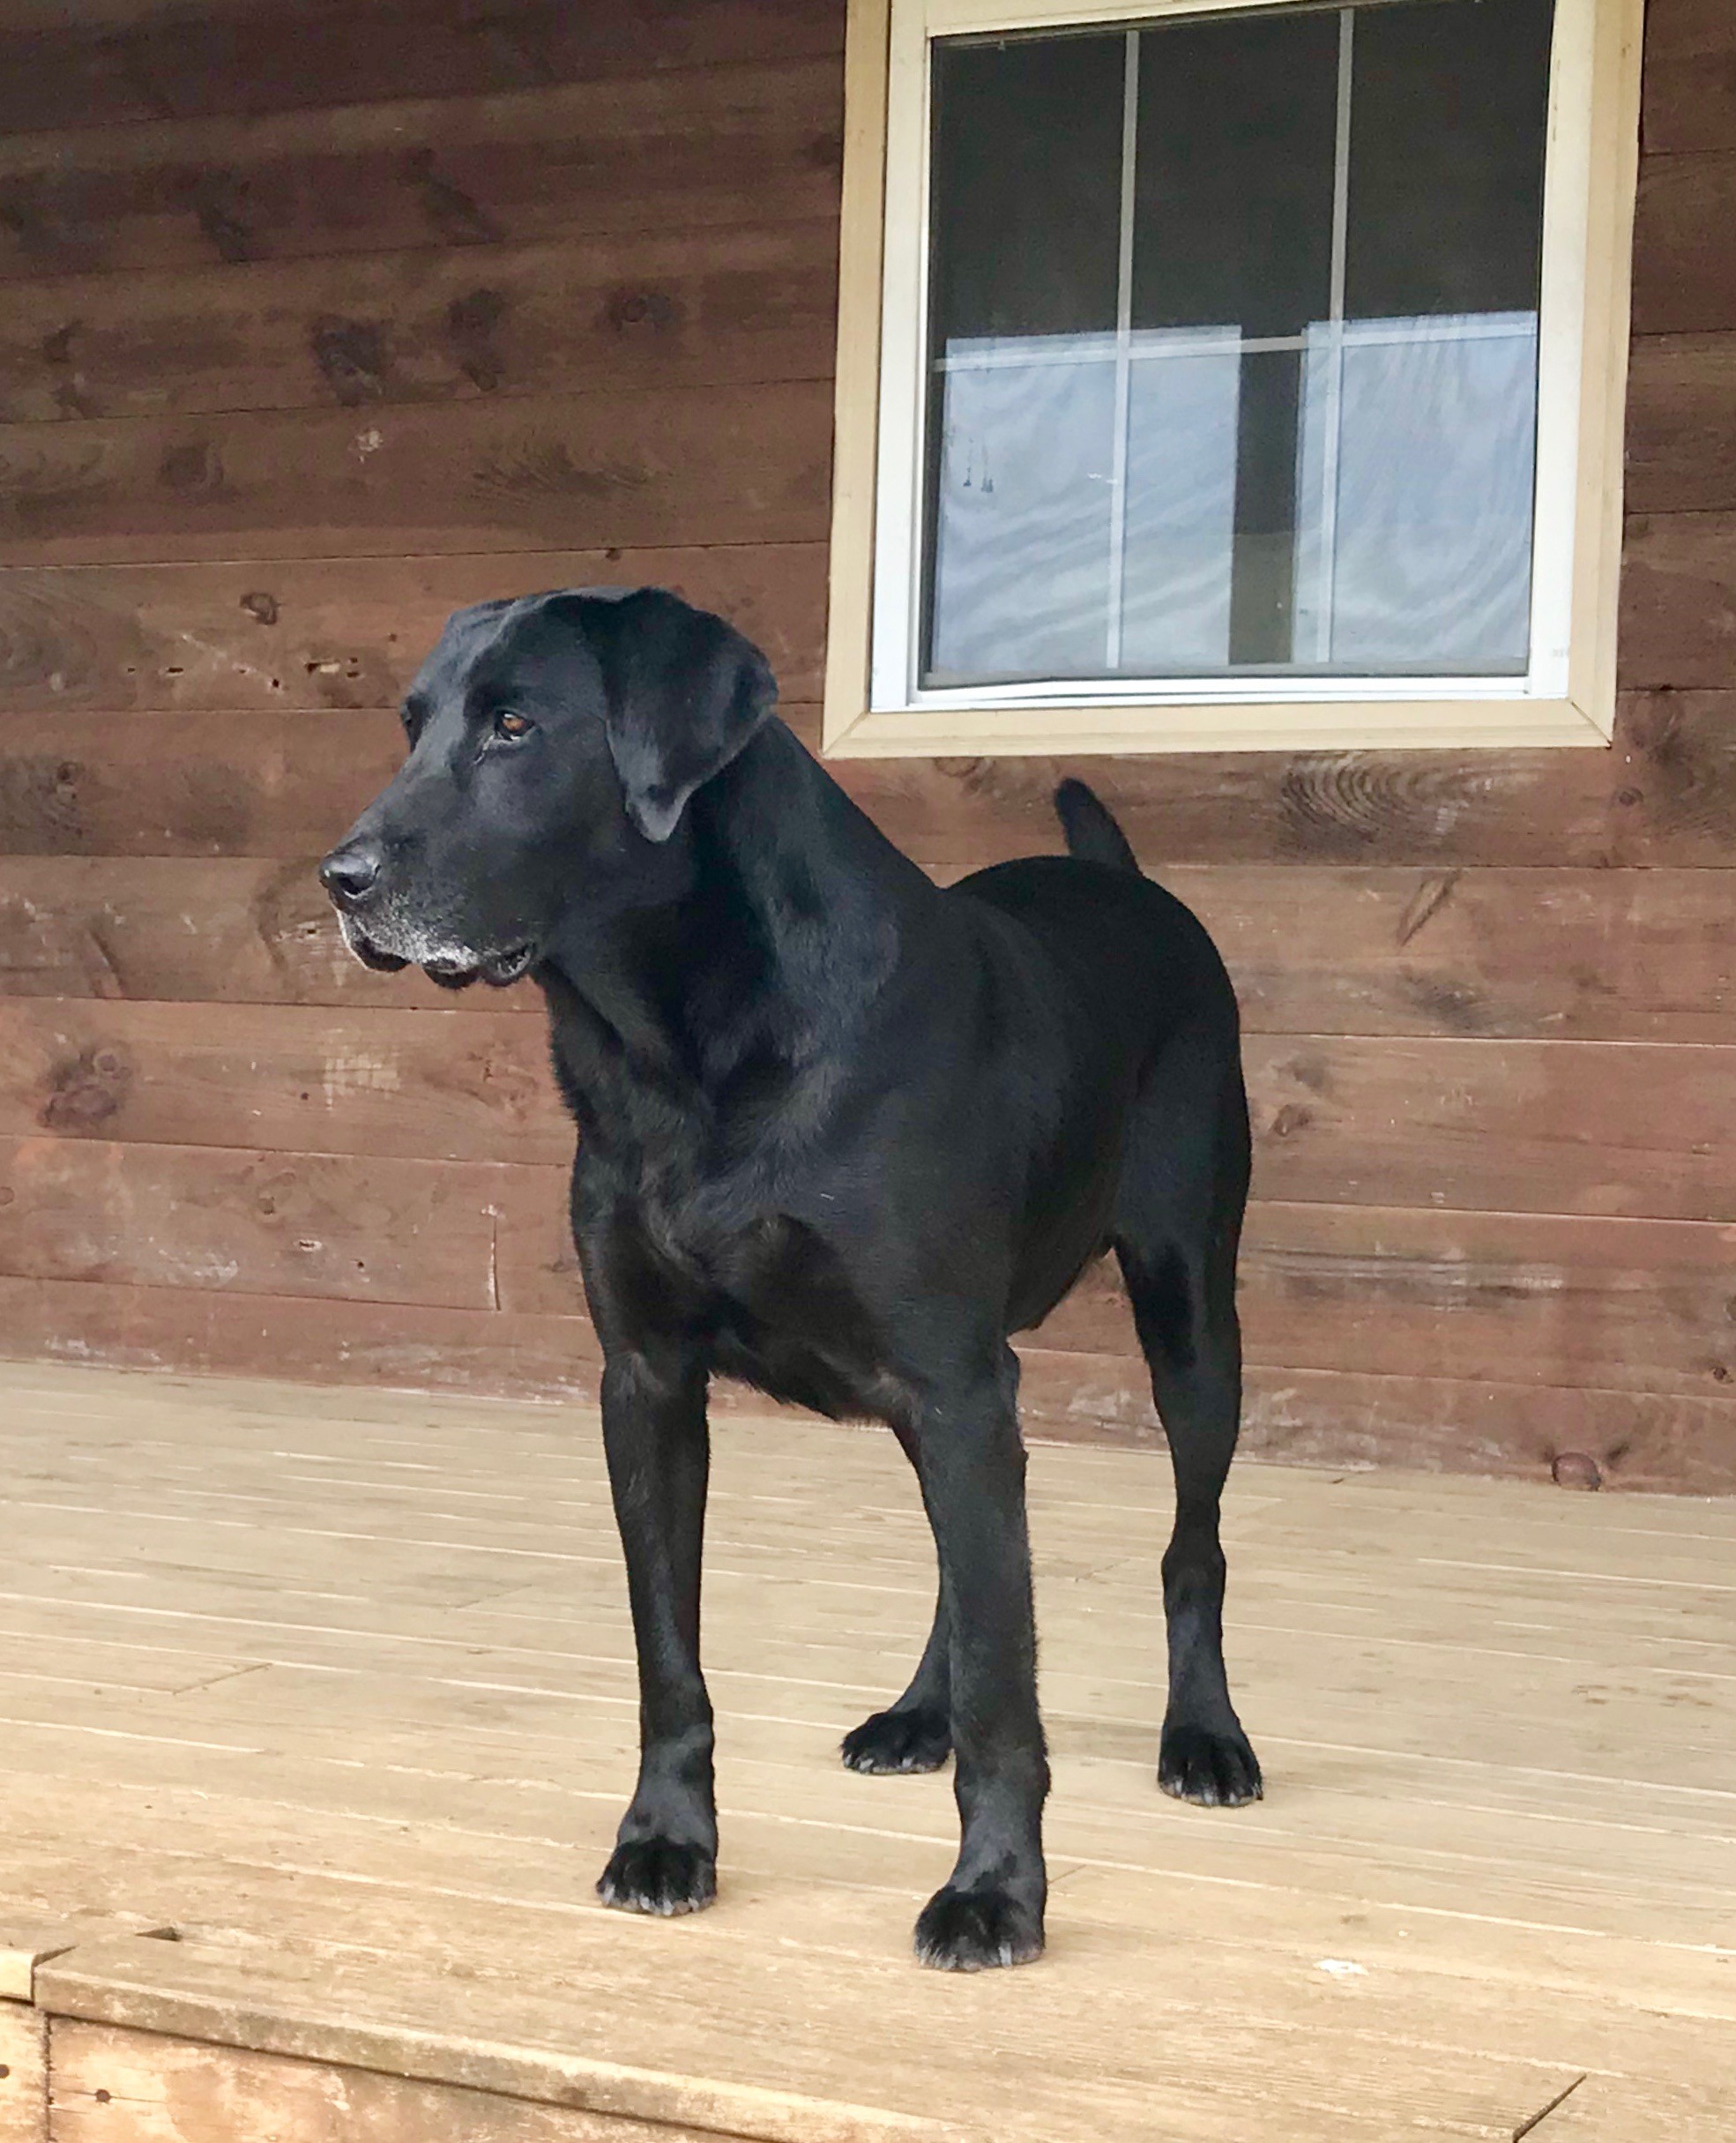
(338, 1683)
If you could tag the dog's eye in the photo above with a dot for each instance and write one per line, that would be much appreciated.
(510, 726)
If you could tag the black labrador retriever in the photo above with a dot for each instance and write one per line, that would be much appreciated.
(840, 1132)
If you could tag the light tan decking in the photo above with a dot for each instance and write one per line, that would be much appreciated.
(338, 1685)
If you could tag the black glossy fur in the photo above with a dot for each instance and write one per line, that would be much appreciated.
(840, 1133)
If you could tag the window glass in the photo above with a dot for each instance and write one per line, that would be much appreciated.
(1232, 347)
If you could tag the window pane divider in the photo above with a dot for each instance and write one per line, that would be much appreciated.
(1123, 349)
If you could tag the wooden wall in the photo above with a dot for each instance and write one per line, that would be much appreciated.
(318, 320)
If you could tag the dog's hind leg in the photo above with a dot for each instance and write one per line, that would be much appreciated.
(915, 1733)
(1178, 1222)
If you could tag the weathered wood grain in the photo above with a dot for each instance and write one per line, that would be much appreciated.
(681, 310)
(1621, 1305)
(113, 2085)
(1614, 955)
(1685, 244)
(311, 1339)
(205, 785)
(23, 2074)
(280, 635)
(1679, 601)
(1609, 955)
(222, 931)
(207, 60)
(1348, 1418)
(453, 1085)
(703, 147)
(1534, 1298)
(717, 465)
(1682, 424)
(285, 785)
(1597, 1128)
(266, 1224)
(1690, 76)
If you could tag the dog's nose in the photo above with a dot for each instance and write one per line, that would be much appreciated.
(350, 874)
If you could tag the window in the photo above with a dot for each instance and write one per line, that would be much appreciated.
(1230, 375)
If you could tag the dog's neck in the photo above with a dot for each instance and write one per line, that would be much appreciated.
(788, 921)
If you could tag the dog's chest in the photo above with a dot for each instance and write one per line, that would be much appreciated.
(780, 1312)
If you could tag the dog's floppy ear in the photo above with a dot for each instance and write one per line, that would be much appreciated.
(685, 692)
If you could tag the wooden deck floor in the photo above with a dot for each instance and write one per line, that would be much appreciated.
(338, 1685)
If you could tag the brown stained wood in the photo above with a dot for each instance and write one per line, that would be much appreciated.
(204, 1331)
(1499, 1126)
(1622, 1305)
(23, 2074)
(1674, 778)
(681, 310)
(287, 784)
(205, 785)
(455, 1084)
(1632, 955)
(227, 932)
(719, 465)
(1462, 1692)
(1628, 1306)
(1628, 955)
(1350, 1418)
(1685, 244)
(226, 59)
(1690, 76)
(1682, 424)
(259, 1223)
(113, 2085)
(1679, 601)
(710, 146)
(283, 635)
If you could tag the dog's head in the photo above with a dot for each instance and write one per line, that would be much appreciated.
(555, 741)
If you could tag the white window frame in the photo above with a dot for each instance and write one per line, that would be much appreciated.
(874, 708)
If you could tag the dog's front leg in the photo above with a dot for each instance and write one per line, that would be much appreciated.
(971, 1466)
(655, 1434)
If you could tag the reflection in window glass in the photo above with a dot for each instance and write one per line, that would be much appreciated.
(1232, 347)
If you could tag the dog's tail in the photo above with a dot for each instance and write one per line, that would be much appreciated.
(1091, 833)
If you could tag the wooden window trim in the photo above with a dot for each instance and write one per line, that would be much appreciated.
(1593, 151)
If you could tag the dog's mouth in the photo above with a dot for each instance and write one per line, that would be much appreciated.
(451, 970)
(499, 969)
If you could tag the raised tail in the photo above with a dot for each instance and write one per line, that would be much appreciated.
(1091, 833)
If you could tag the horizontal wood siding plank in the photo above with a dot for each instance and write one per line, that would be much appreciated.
(1343, 1418)
(757, 143)
(283, 635)
(1679, 601)
(204, 1218)
(1635, 1132)
(681, 310)
(456, 1084)
(720, 465)
(1685, 244)
(1690, 76)
(1633, 1305)
(205, 61)
(205, 1333)
(185, 933)
(1523, 1298)
(1682, 424)
(279, 782)
(1612, 956)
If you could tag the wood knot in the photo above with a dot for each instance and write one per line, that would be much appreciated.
(262, 604)
(1290, 1119)
(1575, 1469)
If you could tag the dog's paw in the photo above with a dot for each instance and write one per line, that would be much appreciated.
(917, 1740)
(977, 1930)
(1213, 1766)
(657, 1875)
